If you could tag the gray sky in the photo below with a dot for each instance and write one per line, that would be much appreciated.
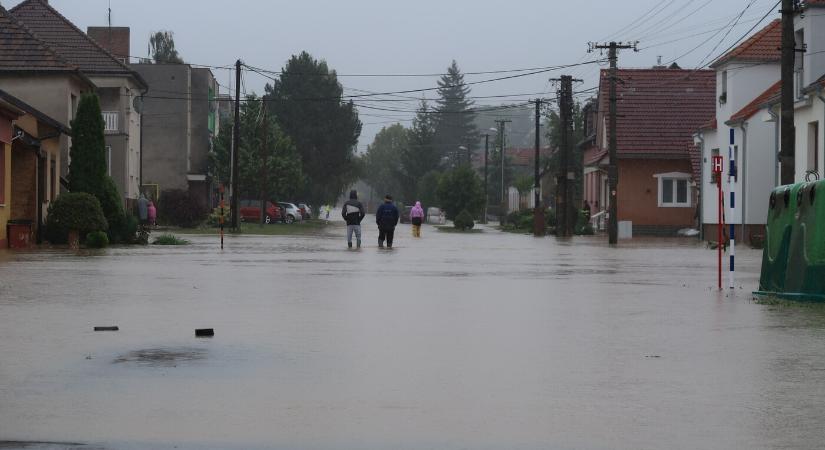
(423, 36)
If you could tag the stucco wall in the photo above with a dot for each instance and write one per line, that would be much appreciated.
(638, 193)
(815, 113)
(202, 81)
(166, 118)
(5, 207)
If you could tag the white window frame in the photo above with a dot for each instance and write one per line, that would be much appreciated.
(676, 177)
(110, 121)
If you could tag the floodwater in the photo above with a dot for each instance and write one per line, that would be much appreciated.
(470, 341)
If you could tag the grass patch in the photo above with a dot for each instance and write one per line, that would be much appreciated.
(273, 229)
(452, 229)
(779, 302)
(170, 239)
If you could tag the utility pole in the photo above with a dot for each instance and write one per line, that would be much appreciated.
(486, 191)
(613, 168)
(538, 211)
(787, 132)
(263, 156)
(503, 205)
(565, 210)
(236, 143)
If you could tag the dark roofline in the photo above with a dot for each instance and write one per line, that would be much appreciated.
(48, 120)
(134, 74)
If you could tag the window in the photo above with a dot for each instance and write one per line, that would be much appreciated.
(53, 178)
(799, 63)
(110, 121)
(813, 146)
(723, 95)
(109, 160)
(674, 190)
(73, 106)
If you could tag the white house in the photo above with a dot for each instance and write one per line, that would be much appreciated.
(743, 75)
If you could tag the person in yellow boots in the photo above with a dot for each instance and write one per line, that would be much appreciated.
(417, 218)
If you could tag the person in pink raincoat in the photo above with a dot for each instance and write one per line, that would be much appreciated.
(417, 218)
(153, 214)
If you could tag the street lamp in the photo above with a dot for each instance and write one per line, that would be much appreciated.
(465, 149)
(486, 157)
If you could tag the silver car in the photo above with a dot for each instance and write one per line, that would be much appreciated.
(291, 212)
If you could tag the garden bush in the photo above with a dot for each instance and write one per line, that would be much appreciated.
(464, 220)
(170, 239)
(97, 239)
(181, 208)
(76, 211)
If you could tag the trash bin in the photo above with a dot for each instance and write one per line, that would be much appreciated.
(19, 233)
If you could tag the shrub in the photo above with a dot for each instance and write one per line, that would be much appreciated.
(583, 226)
(461, 189)
(74, 211)
(464, 220)
(97, 239)
(170, 239)
(112, 204)
(181, 208)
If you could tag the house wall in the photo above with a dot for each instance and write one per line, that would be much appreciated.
(5, 205)
(757, 168)
(166, 125)
(813, 24)
(814, 113)
(638, 194)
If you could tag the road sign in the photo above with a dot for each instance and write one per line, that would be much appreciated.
(718, 164)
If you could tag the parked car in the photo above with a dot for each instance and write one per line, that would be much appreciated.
(405, 215)
(291, 212)
(306, 210)
(436, 216)
(250, 211)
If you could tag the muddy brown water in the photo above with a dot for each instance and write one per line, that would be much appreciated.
(483, 341)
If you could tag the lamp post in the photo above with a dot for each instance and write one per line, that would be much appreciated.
(465, 149)
(486, 171)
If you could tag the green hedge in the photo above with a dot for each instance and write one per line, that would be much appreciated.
(74, 211)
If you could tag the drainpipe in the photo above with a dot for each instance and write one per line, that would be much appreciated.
(743, 174)
(776, 122)
(700, 137)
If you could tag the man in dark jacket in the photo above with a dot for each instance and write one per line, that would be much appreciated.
(353, 213)
(387, 218)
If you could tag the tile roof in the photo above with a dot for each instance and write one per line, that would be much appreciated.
(756, 104)
(525, 156)
(709, 125)
(659, 110)
(21, 51)
(762, 46)
(66, 39)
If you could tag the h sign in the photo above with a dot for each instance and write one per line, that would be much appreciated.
(718, 164)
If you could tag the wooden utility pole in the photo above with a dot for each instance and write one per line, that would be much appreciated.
(236, 141)
(486, 174)
(538, 210)
(787, 133)
(613, 168)
(502, 214)
(263, 155)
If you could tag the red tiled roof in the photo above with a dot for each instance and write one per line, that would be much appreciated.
(67, 40)
(21, 51)
(761, 46)
(756, 104)
(525, 156)
(659, 110)
(595, 157)
(709, 125)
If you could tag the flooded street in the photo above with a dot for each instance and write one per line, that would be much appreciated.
(453, 341)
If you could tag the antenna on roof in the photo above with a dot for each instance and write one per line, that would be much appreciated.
(110, 15)
(658, 60)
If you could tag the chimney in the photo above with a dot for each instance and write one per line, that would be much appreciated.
(113, 39)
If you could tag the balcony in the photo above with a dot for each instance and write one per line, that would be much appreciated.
(110, 120)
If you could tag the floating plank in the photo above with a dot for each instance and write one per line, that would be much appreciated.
(107, 329)
(204, 332)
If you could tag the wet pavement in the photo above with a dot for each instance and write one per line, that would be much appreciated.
(453, 341)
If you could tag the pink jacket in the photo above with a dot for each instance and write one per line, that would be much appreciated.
(153, 212)
(417, 211)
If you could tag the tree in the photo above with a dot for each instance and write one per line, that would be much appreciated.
(428, 188)
(308, 106)
(87, 169)
(455, 125)
(420, 156)
(461, 189)
(274, 171)
(382, 161)
(162, 48)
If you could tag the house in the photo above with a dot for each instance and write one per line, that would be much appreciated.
(180, 124)
(29, 170)
(746, 77)
(659, 110)
(118, 87)
(41, 90)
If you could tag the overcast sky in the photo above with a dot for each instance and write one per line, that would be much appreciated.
(423, 36)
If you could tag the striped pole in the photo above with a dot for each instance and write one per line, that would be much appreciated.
(731, 180)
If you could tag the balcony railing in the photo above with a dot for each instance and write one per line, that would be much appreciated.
(110, 119)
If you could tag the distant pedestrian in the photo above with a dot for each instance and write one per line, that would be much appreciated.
(386, 218)
(587, 211)
(143, 209)
(152, 214)
(417, 218)
(326, 209)
(353, 213)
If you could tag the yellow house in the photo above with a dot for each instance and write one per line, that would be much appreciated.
(29, 166)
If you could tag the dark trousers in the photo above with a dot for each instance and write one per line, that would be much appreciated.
(386, 234)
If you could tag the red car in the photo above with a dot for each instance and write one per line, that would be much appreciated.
(250, 211)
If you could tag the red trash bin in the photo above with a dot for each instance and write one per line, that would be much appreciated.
(19, 234)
